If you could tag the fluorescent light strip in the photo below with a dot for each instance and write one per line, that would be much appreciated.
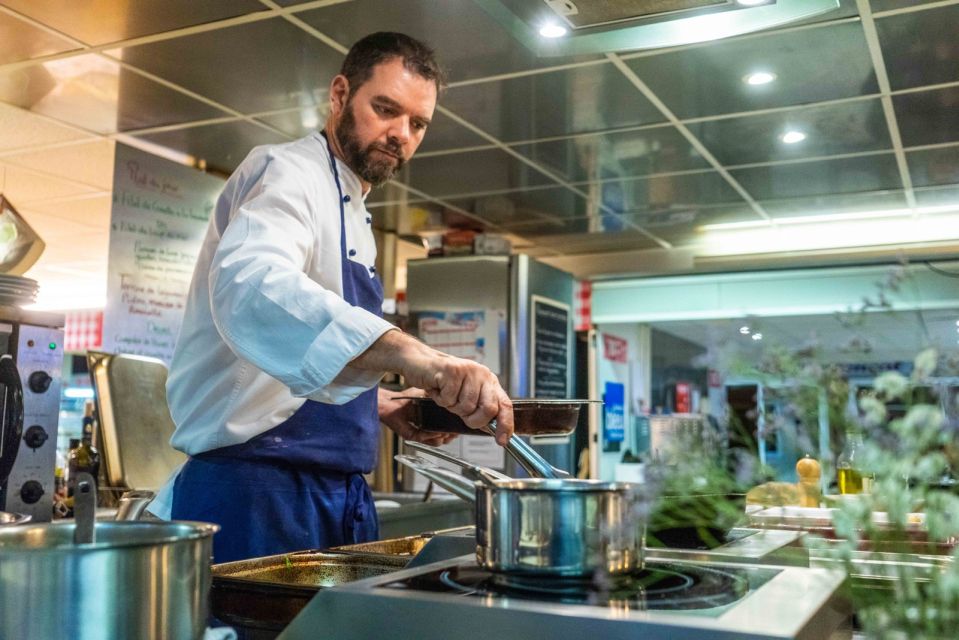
(831, 217)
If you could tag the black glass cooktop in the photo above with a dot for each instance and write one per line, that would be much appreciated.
(660, 586)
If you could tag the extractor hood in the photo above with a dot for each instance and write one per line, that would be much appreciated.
(611, 26)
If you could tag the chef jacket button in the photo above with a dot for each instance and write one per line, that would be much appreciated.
(346, 198)
(372, 269)
(352, 252)
(369, 220)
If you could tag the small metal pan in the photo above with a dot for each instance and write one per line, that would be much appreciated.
(531, 416)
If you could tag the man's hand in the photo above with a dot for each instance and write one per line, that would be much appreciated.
(398, 415)
(466, 388)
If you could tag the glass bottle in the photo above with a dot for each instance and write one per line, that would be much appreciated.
(850, 474)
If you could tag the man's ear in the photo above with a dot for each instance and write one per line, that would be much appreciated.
(339, 94)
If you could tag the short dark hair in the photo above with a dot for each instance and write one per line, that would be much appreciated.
(383, 46)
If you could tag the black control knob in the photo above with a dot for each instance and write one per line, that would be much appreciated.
(31, 491)
(35, 436)
(39, 381)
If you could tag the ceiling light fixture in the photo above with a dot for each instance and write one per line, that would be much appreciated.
(744, 330)
(757, 336)
(792, 137)
(752, 3)
(759, 78)
(553, 30)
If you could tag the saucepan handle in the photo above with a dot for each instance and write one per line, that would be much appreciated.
(536, 466)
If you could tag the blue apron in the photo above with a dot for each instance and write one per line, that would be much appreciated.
(299, 485)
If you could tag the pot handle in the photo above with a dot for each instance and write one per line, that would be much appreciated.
(11, 427)
(454, 483)
(85, 509)
(470, 470)
(536, 466)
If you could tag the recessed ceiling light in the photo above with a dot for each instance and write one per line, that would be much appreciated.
(757, 336)
(744, 330)
(553, 30)
(759, 77)
(792, 137)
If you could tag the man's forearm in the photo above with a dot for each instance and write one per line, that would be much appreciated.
(398, 352)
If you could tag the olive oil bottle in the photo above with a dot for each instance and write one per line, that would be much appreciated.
(850, 474)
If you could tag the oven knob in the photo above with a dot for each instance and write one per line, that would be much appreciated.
(31, 491)
(39, 381)
(35, 436)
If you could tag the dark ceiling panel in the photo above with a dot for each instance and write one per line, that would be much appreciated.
(708, 80)
(444, 134)
(578, 100)
(548, 206)
(298, 122)
(21, 41)
(920, 48)
(223, 146)
(831, 130)
(472, 172)
(469, 43)
(834, 204)
(846, 175)
(624, 154)
(261, 66)
(104, 21)
(98, 95)
(928, 117)
(889, 5)
(934, 166)
(658, 192)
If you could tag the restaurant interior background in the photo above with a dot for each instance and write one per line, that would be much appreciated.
(715, 193)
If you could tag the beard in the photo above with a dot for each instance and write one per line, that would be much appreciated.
(368, 162)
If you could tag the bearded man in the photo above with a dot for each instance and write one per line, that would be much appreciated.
(273, 383)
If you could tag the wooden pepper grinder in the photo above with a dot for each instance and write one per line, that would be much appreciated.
(809, 472)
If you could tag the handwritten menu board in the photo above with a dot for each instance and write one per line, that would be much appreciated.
(159, 217)
(551, 354)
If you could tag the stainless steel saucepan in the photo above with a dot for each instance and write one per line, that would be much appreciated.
(556, 527)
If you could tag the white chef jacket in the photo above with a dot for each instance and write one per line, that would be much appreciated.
(266, 326)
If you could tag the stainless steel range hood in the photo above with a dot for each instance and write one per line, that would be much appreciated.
(610, 26)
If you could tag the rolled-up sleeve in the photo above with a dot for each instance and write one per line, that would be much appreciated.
(266, 307)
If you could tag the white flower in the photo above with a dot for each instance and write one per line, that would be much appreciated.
(891, 385)
(874, 411)
(925, 364)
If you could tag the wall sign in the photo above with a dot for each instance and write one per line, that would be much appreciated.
(615, 349)
(550, 349)
(157, 223)
(614, 414)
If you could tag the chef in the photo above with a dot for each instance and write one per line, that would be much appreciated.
(273, 383)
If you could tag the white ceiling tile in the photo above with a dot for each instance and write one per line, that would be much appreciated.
(22, 129)
(90, 163)
(21, 186)
(52, 228)
(90, 212)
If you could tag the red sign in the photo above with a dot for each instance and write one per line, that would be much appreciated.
(614, 349)
(684, 397)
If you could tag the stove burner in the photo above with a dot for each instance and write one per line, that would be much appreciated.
(661, 586)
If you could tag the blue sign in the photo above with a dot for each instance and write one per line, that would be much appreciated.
(614, 412)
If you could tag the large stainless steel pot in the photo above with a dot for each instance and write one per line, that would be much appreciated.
(138, 580)
(549, 527)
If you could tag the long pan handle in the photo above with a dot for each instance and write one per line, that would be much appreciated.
(536, 466)
(470, 470)
(452, 482)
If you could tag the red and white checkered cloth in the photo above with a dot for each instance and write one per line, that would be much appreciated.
(582, 305)
(83, 330)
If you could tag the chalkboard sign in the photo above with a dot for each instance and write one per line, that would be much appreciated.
(157, 223)
(551, 355)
